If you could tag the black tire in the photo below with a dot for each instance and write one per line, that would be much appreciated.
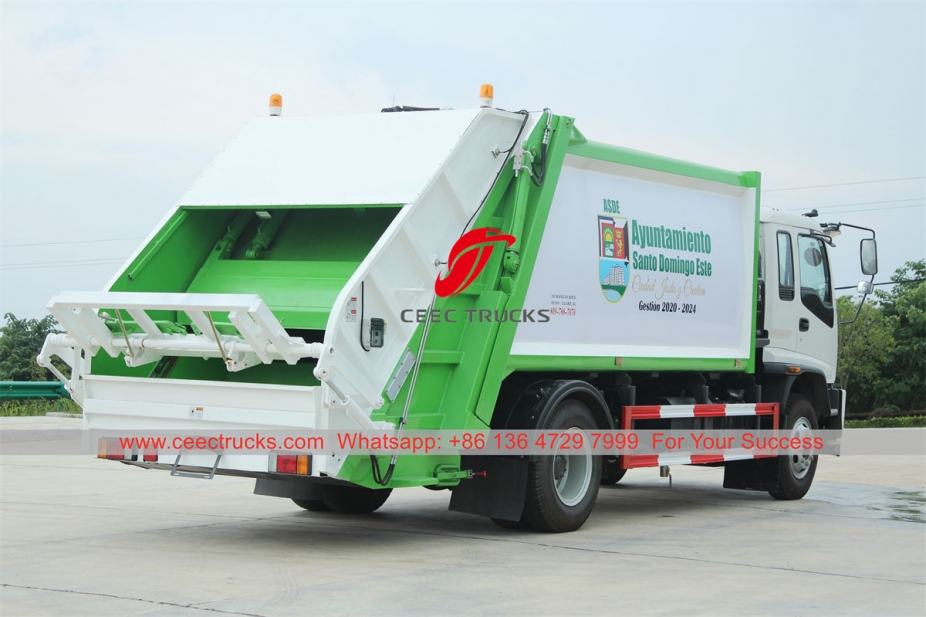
(354, 499)
(506, 524)
(561, 491)
(611, 472)
(312, 505)
(795, 472)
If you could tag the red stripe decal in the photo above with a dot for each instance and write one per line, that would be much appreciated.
(640, 460)
(648, 412)
(706, 458)
(709, 411)
(766, 409)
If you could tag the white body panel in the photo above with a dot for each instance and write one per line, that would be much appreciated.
(337, 160)
(571, 272)
(399, 272)
(438, 165)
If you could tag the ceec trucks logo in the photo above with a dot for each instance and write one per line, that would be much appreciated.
(468, 258)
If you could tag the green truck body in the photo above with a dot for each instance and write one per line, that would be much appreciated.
(446, 271)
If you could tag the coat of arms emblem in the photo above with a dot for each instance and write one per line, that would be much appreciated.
(613, 259)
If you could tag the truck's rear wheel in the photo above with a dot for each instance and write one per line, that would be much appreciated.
(312, 505)
(561, 489)
(354, 499)
(796, 471)
(506, 524)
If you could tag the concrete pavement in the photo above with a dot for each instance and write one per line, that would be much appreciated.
(81, 536)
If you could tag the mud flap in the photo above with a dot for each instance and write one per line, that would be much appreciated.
(500, 493)
(291, 489)
(753, 475)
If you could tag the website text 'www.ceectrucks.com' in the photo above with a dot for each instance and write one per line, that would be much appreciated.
(510, 442)
(503, 442)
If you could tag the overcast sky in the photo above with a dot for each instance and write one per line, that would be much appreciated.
(110, 111)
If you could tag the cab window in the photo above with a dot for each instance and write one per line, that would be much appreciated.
(815, 278)
(785, 267)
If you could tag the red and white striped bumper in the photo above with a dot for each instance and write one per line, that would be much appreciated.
(659, 412)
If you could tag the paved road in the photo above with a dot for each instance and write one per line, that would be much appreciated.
(80, 536)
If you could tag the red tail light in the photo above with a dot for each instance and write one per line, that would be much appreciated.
(286, 463)
(299, 464)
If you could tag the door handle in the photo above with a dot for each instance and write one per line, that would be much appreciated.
(803, 324)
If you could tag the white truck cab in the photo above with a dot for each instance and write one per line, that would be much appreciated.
(797, 307)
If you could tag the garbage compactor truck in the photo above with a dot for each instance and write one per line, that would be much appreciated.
(459, 269)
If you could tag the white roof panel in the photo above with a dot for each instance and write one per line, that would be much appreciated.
(794, 219)
(384, 158)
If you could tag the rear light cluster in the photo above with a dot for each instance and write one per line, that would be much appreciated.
(296, 464)
(110, 448)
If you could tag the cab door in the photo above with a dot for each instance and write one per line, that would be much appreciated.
(782, 312)
(800, 315)
(816, 325)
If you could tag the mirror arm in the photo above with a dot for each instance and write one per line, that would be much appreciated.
(856, 227)
(860, 304)
(858, 311)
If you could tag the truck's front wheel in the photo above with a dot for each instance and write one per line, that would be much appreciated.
(561, 489)
(796, 471)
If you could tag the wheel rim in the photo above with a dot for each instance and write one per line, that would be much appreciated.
(800, 463)
(572, 475)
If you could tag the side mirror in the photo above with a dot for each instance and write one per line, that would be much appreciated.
(865, 287)
(868, 250)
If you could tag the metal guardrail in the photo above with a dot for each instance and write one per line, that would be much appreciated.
(11, 390)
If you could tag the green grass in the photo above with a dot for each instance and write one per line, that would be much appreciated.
(37, 407)
(898, 422)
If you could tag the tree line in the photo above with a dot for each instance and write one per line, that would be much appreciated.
(882, 356)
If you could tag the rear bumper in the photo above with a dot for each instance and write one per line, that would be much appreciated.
(132, 405)
(126, 403)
